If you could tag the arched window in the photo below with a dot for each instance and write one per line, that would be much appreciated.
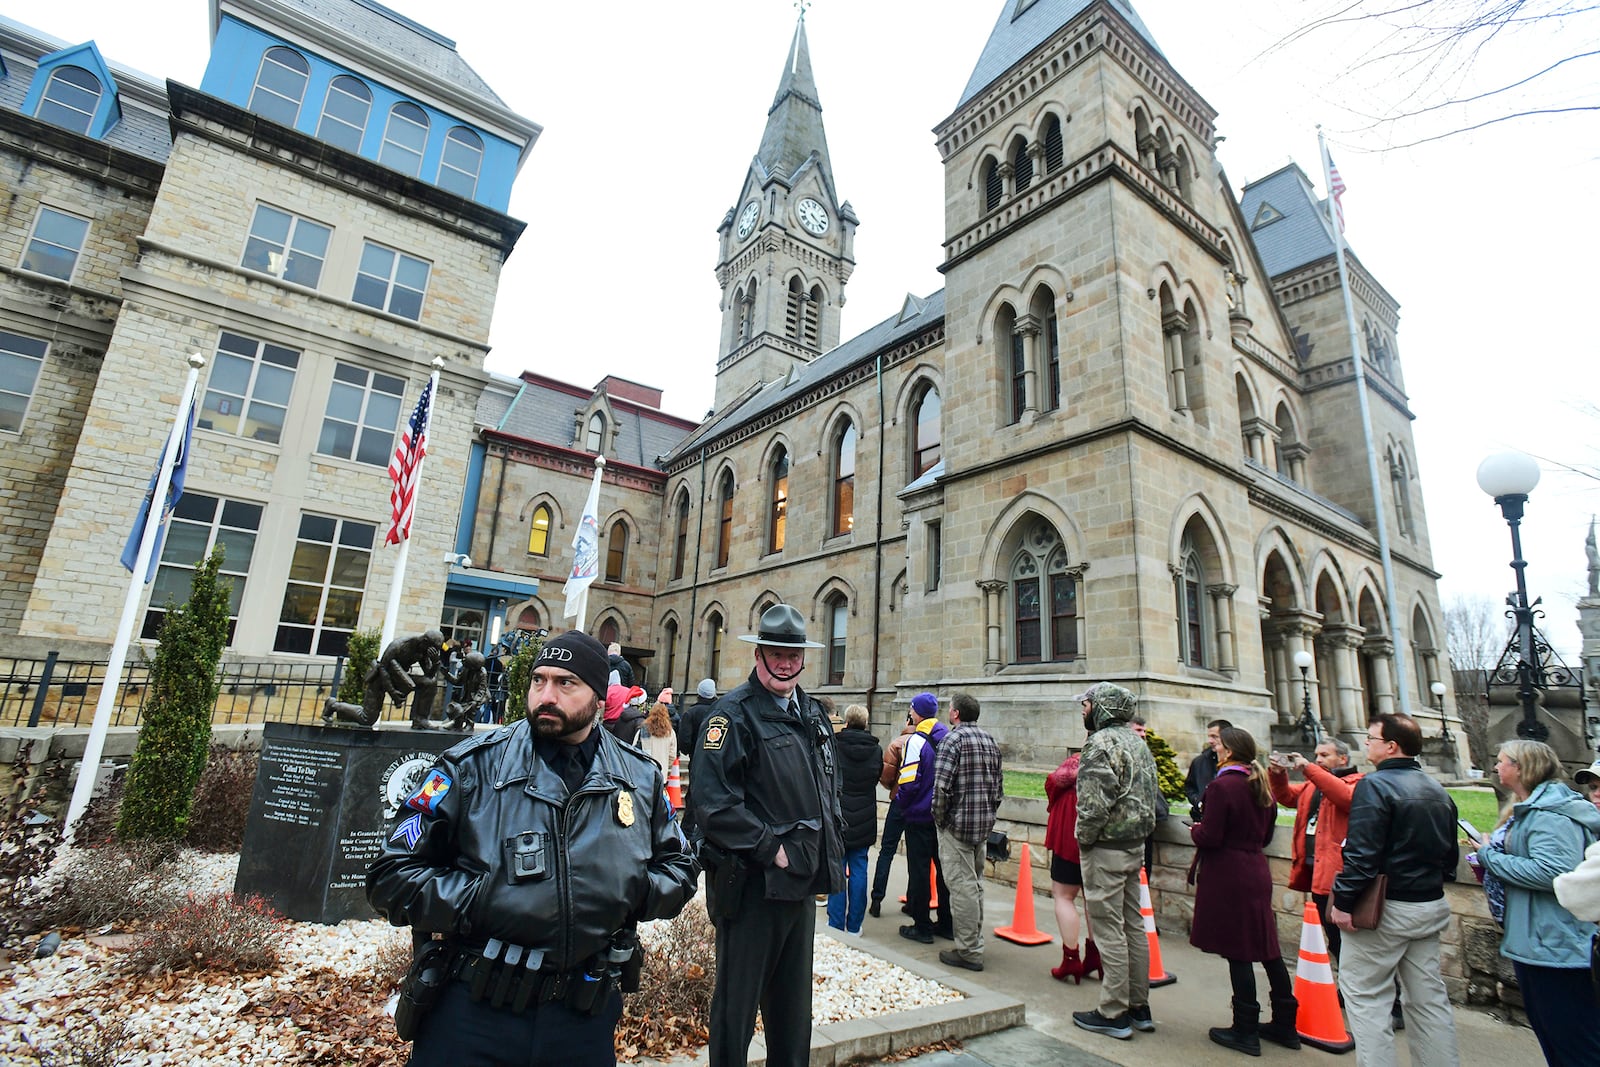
(595, 439)
(404, 138)
(1286, 439)
(1053, 148)
(812, 318)
(1174, 325)
(669, 635)
(724, 518)
(1043, 309)
(608, 632)
(344, 113)
(795, 310)
(994, 186)
(680, 545)
(617, 551)
(747, 312)
(528, 618)
(71, 97)
(1144, 142)
(539, 534)
(777, 499)
(280, 85)
(461, 161)
(1400, 485)
(1021, 164)
(1181, 162)
(713, 645)
(1193, 628)
(838, 625)
(1044, 598)
(844, 480)
(1014, 362)
(926, 431)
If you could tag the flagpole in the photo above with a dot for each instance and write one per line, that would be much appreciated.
(1396, 631)
(110, 687)
(392, 610)
(590, 517)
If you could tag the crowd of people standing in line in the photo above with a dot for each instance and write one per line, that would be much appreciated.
(782, 812)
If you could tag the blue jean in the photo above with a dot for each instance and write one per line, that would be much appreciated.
(855, 888)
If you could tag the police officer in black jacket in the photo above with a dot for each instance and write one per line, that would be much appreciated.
(529, 854)
(766, 798)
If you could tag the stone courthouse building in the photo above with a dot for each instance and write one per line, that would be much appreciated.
(322, 219)
(1122, 442)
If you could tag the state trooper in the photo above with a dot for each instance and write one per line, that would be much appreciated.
(765, 796)
(522, 864)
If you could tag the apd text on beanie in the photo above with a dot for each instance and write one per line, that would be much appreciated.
(579, 653)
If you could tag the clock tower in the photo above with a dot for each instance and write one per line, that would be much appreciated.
(786, 246)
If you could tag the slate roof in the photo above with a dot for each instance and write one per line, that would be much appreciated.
(542, 411)
(1015, 35)
(391, 32)
(916, 316)
(794, 122)
(142, 129)
(1286, 220)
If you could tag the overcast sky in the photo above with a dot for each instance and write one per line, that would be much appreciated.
(651, 113)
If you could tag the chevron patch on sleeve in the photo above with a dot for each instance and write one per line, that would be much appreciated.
(409, 831)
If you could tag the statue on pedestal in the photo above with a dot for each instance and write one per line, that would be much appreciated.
(1594, 561)
(472, 690)
(391, 676)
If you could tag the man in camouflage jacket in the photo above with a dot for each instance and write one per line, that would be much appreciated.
(1117, 795)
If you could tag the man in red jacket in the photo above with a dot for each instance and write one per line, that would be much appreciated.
(1322, 813)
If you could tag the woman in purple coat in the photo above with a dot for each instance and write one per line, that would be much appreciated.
(1233, 895)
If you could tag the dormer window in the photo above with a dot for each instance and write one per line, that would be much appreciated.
(594, 439)
(461, 162)
(344, 113)
(70, 98)
(280, 85)
(405, 138)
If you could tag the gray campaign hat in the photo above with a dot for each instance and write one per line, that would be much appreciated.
(782, 626)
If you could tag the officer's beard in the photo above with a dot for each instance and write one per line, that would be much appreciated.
(565, 725)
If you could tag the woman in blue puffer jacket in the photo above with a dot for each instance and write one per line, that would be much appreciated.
(1550, 825)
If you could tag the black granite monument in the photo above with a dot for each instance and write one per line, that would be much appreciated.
(323, 800)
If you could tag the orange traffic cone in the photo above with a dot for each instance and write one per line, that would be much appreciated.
(1158, 973)
(674, 787)
(1022, 929)
(1319, 1021)
(933, 887)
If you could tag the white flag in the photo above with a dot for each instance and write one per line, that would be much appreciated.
(585, 550)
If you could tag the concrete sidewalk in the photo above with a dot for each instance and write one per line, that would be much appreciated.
(1182, 1011)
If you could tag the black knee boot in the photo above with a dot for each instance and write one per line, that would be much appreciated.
(1243, 1035)
(1281, 1030)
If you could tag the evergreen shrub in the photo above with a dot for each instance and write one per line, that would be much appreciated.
(358, 660)
(519, 669)
(173, 740)
(1168, 776)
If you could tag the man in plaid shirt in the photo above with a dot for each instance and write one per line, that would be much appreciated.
(967, 788)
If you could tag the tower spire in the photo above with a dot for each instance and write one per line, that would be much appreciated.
(794, 121)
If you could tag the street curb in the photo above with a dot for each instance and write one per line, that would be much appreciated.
(980, 1011)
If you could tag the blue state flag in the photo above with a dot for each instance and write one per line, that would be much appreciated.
(180, 469)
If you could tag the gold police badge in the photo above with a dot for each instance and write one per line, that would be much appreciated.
(625, 807)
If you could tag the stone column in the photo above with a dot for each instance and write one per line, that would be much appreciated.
(1295, 453)
(1173, 323)
(1346, 645)
(1381, 649)
(1222, 612)
(1283, 670)
(1029, 327)
(1255, 432)
(993, 620)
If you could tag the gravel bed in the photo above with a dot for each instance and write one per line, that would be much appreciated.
(201, 1020)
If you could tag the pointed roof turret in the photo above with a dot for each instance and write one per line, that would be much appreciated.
(1024, 25)
(794, 122)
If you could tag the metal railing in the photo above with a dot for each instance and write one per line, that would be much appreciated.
(60, 692)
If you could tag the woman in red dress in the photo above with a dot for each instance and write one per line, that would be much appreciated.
(1066, 876)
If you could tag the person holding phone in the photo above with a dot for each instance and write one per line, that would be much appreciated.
(1321, 815)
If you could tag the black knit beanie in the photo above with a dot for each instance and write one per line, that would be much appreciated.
(581, 654)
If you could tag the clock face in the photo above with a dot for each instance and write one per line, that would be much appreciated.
(813, 216)
(747, 219)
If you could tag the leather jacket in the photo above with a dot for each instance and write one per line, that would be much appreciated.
(1402, 823)
(609, 855)
(763, 778)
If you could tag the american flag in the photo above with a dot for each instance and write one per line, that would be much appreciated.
(403, 469)
(1335, 191)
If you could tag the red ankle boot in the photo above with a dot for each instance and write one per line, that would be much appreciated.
(1071, 966)
(1091, 959)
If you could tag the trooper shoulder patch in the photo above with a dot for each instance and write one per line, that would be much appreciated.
(428, 795)
(409, 831)
(716, 730)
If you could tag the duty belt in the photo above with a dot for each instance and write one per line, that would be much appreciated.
(512, 977)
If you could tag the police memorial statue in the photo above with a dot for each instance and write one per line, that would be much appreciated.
(391, 677)
(523, 863)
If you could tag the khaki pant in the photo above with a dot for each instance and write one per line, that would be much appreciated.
(1111, 889)
(1406, 943)
(963, 875)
